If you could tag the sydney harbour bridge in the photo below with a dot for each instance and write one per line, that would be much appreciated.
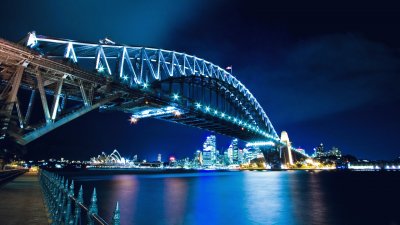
(73, 78)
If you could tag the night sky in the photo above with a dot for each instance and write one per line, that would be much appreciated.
(324, 73)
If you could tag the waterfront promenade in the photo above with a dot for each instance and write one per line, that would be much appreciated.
(21, 201)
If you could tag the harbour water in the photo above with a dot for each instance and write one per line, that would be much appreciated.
(247, 197)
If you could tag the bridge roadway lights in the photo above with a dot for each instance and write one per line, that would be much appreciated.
(139, 67)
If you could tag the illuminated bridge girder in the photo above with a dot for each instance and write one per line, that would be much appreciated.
(85, 76)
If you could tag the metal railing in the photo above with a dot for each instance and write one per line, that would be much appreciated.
(65, 208)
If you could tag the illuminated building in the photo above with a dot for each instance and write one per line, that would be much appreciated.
(251, 153)
(226, 160)
(240, 156)
(207, 158)
(172, 161)
(216, 156)
(159, 158)
(198, 158)
(229, 154)
(235, 151)
(319, 151)
(112, 159)
(335, 152)
(209, 151)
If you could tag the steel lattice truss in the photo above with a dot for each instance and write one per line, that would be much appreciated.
(143, 81)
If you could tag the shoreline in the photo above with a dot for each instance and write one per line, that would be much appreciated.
(149, 171)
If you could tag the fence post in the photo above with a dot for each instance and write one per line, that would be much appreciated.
(58, 205)
(53, 198)
(59, 198)
(60, 208)
(64, 192)
(79, 201)
(70, 194)
(116, 216)
(92, 208)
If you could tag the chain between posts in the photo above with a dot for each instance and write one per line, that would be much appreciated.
(66, 209)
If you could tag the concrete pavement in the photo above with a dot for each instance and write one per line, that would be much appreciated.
(22, 202)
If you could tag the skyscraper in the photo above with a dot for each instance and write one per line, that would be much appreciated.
(240, 156)
(319, 151)
(335, 152)
(230, 154)
(226, 160)
(209, 150)
(159, 157)
(198, 158)
(235, 151)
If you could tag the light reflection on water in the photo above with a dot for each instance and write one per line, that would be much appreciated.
(267, 202)
(175, 200)
(124, 188)
(238, 198)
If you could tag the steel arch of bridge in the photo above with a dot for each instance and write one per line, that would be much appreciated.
(136, 68)
(140, 65)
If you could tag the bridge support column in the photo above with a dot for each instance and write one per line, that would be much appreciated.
(84, 96)
(43, 97)
(11, 101)
(57, 92)
(30, 106)
(20, 118)
(25, 139)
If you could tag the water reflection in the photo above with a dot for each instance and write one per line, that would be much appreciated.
(124, 188)
(243, 198)
(316, 200)
(306, 198)
(175, 200)
(267, 198)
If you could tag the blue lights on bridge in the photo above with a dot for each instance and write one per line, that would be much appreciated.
(184, 89)
(232, 119)
(175, 97)
(138, 64)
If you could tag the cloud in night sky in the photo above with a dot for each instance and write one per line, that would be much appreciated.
(327, 75)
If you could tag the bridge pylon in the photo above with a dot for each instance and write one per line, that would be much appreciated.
(286, 149)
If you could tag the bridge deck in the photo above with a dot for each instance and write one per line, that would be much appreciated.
(22, 202)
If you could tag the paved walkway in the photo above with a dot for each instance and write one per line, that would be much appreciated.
(21, 202)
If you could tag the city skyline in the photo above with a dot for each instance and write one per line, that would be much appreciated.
(285, 57)
(233, 151)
